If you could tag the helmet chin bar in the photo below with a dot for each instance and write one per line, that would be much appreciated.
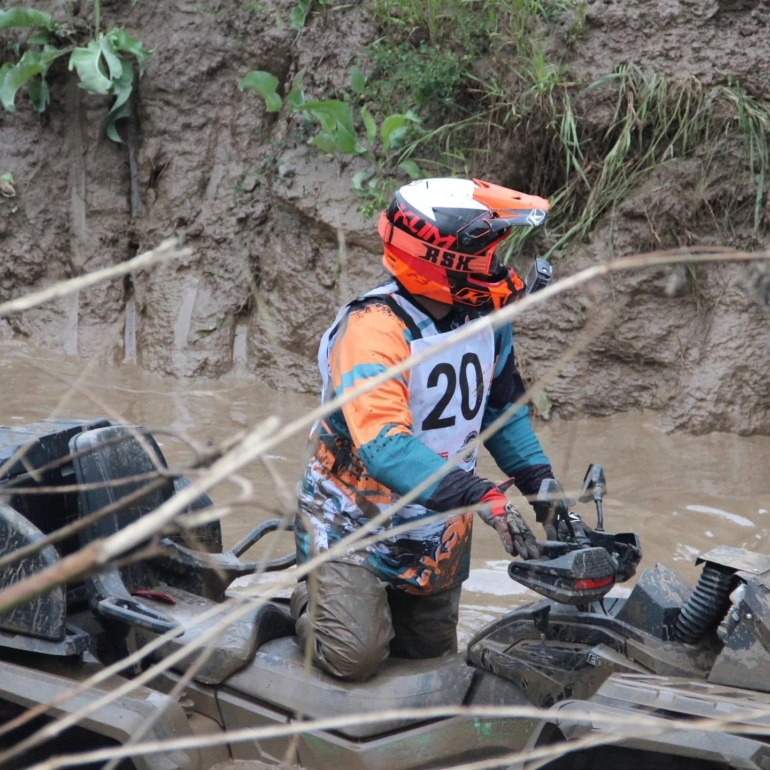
(450, 287)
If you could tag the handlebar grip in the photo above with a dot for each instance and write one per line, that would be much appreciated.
(258, 533)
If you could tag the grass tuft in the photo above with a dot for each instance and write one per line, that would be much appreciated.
(495, 101)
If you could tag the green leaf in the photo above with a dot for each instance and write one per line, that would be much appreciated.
(337, 121)
(299, 14)
(39, 37)
(357, 81)
(265, 85)
(411, 169)
(38, 94)
(31, 64)
(324, 142)
(358, 180)
(120, 107)
(392, 130)
(87, 62)
(296, 97)
(24, 17)
(114, 64)
(127, 44)
(369, 124)
(3, 70)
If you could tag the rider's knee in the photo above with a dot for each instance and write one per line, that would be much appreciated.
(351, 656)
(347, 621)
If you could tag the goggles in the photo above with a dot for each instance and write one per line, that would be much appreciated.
(478, 292)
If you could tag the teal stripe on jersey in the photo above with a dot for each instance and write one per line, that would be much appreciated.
(363, 372)
(505, 345)
(515, 445)
(400, 462)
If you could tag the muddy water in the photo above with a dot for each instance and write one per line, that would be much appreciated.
(682, 494)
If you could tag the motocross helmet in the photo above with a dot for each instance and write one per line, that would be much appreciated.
(440, 237)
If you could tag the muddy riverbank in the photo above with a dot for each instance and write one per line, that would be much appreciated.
(268, 217)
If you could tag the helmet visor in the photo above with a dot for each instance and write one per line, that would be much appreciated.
(482, 233)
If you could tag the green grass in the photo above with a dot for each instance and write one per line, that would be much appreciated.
(475, 26)
(426, 77)
(497, 101)
(655, 120)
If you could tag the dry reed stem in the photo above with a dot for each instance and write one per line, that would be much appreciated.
(643, 723)
(78, 525)
(581, 278)
(373, 524)
(583, 340)
(268, 435)
(166, 251)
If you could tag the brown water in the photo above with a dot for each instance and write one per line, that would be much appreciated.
(683, 495)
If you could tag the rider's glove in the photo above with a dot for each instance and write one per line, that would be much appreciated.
(514, 532)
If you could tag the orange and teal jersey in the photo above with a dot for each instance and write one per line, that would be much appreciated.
(388, 441)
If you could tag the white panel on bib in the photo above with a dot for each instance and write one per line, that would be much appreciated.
(448, 391)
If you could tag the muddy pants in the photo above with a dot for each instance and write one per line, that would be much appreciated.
(356, 620)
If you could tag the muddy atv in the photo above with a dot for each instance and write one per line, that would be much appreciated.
(667, 650)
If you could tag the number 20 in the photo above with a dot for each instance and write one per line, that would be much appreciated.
(435, 419)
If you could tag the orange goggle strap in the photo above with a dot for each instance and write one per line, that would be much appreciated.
(417, 277)
(445, 258)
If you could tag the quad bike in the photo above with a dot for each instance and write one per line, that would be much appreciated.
(666, 651)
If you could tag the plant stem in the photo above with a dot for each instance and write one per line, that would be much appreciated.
(97, 16)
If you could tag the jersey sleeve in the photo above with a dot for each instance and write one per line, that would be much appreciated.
(371, 340)
(515, 447)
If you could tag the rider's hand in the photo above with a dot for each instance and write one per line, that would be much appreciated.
(514, 532)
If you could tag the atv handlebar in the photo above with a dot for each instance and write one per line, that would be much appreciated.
(585, 563)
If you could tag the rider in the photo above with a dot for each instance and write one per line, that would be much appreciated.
(401, 595)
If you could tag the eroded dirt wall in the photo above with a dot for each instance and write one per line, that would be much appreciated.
(266, 215)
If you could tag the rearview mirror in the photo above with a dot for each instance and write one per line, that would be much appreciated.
(538, 277)
(552, 492)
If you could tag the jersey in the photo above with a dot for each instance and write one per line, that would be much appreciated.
(386, 442)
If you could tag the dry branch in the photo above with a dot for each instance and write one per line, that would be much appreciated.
(266, 436)
(167, 250)
(642, 723)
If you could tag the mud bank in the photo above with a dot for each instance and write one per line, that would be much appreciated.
(278, 242)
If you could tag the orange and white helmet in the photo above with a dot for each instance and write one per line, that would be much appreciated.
(440, 237)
